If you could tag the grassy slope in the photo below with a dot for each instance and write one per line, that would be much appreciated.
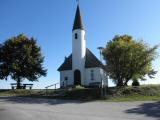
(142, 93)
(133, 98)
(17, 92)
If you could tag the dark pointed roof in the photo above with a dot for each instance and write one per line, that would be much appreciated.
(78, 24)
(67, 64)
(91, 61)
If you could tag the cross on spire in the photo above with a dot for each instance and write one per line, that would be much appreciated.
(77, 1)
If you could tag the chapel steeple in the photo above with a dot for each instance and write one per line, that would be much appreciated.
(81, 67)
(78, 24)
(78, 47)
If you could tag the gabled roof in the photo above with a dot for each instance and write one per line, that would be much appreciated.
(91, 61)
(78, 24)
(67, 64)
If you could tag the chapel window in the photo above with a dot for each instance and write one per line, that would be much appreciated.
(66, 78)
(76, 36)
(92, 74)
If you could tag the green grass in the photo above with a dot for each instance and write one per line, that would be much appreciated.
(21, 92)
(142, 93)
(132, 98)
(13, 92)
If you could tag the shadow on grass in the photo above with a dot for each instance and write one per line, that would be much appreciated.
(3, 90)
(29, 100)
(148, 109)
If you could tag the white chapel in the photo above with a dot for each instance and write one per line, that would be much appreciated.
(81, 67)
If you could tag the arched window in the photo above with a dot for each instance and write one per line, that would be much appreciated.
(63, 83)
(92, 74)
(76, 36)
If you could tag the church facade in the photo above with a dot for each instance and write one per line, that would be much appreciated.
(81, 67)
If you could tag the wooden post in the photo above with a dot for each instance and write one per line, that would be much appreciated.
(46, 91)
(55, 86)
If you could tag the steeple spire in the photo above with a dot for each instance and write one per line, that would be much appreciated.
(78, 24)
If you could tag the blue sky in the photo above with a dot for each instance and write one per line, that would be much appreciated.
(51, 21)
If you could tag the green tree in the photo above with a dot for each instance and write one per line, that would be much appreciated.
(128, 59)
(21, 59)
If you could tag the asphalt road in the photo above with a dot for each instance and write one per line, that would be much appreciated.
(17, 108)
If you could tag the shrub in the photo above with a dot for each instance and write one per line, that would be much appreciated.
(135, 83)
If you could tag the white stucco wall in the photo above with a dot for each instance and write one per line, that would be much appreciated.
(97, 71)
(79, 52)
(98, 74)
(69, 75)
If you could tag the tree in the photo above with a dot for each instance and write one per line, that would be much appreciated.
(128, 59)
(21, 59)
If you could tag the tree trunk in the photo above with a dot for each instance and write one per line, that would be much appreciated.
(125, 84)
(120, 82)
(19, 83)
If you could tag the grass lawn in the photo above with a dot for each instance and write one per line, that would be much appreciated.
(132, 98)
(142, 93)
(22, 92)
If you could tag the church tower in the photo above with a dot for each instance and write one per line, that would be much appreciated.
(78, 49)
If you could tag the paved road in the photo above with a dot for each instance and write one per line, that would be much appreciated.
(16, 108)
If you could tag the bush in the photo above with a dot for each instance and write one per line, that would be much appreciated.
(135, 83)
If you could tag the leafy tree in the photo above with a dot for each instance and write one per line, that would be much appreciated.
(21, 59)
(128, 59)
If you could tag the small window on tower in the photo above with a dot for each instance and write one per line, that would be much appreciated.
(65, 78)
(76, 36)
